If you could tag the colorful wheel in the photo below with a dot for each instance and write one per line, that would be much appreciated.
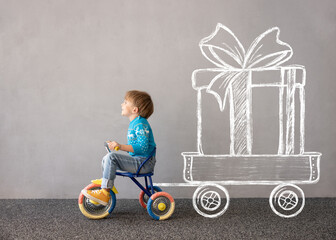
(143, 198)
(94, 210)
(160, 206)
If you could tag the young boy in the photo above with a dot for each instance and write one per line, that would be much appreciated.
(138, 107)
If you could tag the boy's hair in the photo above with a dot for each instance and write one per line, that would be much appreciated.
(142, 101)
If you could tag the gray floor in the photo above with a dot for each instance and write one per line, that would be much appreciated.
(245, 219)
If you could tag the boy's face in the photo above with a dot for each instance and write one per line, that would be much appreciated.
(128, 108)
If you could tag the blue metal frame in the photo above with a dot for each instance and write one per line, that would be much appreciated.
(147, 176)
(148, 189)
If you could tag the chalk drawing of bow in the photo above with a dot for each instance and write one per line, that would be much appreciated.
(223, 49)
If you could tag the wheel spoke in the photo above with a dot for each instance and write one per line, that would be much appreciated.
(286, 205)
(205, 198)
(207, 204)
(293, 203)
(282, 203)
(283, 198)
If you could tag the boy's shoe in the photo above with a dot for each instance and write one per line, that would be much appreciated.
(99, 196)
(99, 182)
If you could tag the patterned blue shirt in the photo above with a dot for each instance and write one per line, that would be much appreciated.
(140, 136)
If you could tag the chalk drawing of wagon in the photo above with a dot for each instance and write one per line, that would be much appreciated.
(234, 80)
(211, 199)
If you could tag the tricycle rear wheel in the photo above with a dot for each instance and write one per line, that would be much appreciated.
(143, 198)
(161, 206)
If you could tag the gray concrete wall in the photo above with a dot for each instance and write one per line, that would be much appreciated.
(66, 65)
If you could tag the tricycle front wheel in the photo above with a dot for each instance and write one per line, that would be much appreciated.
(93, 210)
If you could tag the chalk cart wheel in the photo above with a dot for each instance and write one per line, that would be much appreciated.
(211, 200)
(287, 200)
(160, 206)
(94, 210)
(143, 198)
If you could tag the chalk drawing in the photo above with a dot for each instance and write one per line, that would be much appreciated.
(233, 81)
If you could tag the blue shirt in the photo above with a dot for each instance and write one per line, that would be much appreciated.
(140, 136)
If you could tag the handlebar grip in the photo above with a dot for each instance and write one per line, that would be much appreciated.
(108, 149)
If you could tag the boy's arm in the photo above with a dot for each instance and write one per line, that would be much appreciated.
(127, 148)
(123, 147)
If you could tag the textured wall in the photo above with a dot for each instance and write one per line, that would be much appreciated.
(65, 66)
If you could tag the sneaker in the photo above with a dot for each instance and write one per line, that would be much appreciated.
(99, 182)
(98, 196)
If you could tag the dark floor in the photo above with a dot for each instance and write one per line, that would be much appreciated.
(245, 219)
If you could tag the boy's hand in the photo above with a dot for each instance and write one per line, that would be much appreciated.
(112, 145)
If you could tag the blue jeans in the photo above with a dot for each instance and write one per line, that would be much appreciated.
(116, 161)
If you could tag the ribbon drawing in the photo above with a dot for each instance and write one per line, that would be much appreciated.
(224, 49)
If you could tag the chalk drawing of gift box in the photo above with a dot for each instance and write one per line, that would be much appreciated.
(230, 88)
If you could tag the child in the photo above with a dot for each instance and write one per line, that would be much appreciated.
(138, 107)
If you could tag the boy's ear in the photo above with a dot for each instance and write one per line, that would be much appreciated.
(135, 110)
